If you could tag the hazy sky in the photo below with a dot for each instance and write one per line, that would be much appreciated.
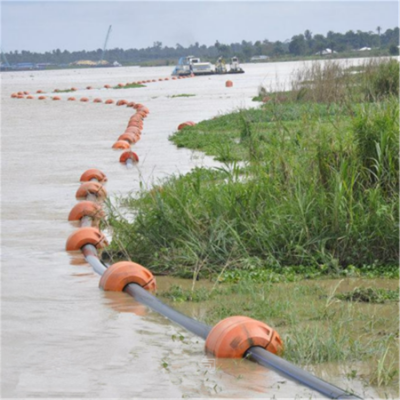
(78, 25)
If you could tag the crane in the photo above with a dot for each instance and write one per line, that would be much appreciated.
(5, 58)
(105, 45)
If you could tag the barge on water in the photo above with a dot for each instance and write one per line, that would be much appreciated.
(191, 65)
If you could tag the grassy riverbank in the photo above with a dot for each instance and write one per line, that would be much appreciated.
(306, 196)
(311, 180)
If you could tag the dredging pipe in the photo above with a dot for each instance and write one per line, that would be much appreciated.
(232, 337)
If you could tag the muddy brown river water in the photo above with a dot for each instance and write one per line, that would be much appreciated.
(61, 335)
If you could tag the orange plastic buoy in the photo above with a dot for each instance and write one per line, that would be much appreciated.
(153, 80)
(14, 95)
(83, 236)
(74, 89)
(56, 90)
(89, 87)
(42, 97)
(130, 104)
(129, 155)
(25, 92)
(91, 188)
(107, 86)
(97, 100)
(71, 99)
(233, 336)
(121, 84)
(187, 123)
(39, 91)
(228, 83)
(121, 274)
(85, 209)
(121, 145)
(136, 124)
(109, 101)
(133, 129)
(20, 96)
(93, 173)
(129, 137)
(56, 98)
(84, 99)
(121, 102)
(29, 97)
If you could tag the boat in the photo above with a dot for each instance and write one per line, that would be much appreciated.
(234, 67)
(192, 65)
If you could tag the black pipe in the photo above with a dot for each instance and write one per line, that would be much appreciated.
(143, 296)
(271, 361)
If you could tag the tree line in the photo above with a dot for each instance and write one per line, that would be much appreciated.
(300, 45)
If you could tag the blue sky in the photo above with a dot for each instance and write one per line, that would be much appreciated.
(78, 25)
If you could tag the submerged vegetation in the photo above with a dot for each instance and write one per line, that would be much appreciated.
(130, 86)
(315, 320)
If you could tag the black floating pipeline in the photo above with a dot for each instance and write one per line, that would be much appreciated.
(233, 337)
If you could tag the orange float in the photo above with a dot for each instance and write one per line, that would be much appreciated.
(184, 124)
(121, 102)
(29, 97)
(89, 87)
(93, 173)
(39, 91)
(42, 97)
(97, 100)
(129, 137)
(71, 99)
(228, 83)
(25, 92)
(121, 145)
(129, 155)
(56, 90)
(56, 98)
(109, 101)
(74, 89)
(121, 85)
(20, 96)
(85, 209)
(91, 188)
(84, 236)
(107, 86)
(233, 336)
(14, 95)
(133, 129)
(121, 274)
(84, 99)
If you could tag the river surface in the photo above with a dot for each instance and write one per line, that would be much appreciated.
(61, 335)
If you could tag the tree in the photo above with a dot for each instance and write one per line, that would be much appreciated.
(297, 46)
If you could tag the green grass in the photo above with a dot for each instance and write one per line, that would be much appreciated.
(370, 295)
(131, 86)
(317, 186)
(315, 325)
(182, 95)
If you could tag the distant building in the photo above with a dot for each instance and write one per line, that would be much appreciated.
(25, 66)
(325, 52)
(259, 58)
(365, 49)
